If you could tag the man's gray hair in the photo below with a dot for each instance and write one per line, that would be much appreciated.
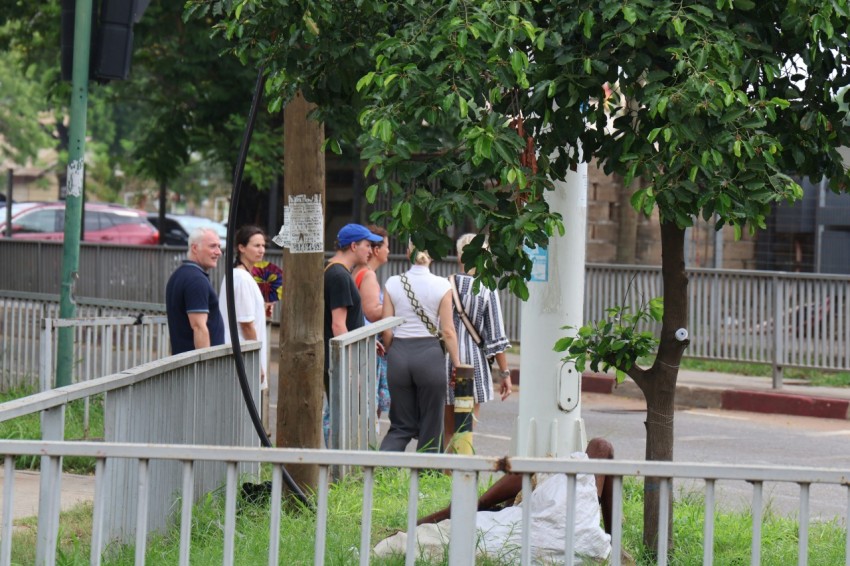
(198, 233)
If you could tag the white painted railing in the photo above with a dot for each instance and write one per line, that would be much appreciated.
(782, 319)
(103, 345)
(353, 384)
(799, 320)
(465, 471)
(191, 398)
(116, 341)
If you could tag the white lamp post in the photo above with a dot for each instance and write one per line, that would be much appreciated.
(549, 422)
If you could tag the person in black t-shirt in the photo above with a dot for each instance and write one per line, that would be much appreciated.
(343, 311)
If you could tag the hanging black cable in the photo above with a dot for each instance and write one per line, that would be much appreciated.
(228, 277)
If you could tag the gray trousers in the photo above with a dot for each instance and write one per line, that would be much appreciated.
(416, 375)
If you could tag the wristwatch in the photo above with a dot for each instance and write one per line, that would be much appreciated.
(504, 373)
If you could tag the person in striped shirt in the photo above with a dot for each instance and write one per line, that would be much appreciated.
(484, 312)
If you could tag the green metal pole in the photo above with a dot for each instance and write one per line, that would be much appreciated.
(74, 193)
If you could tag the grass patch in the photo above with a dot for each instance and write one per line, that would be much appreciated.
(298, 524)
(816, 378)
(297, 531)
(28, 427)
(74, 545)
(732, 533)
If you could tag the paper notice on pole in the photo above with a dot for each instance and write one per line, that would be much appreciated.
(282, 238)
(303, 225)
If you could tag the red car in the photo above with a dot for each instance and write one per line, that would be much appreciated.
(104, 223)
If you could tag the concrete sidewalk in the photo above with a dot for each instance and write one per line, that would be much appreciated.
(76, 489)
(713, 390)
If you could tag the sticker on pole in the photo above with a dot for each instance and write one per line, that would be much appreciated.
(303, 225)
(76, 170)
(539, 263)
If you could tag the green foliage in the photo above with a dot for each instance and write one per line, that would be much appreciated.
(182, 103)
(732, 533)
(298, 525)
(615, 342)
(714, 104)
(814, 377)
(73, 544)
(21, 105)
(28, 427)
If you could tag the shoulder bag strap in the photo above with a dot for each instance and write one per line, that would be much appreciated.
(332, 263)
(417, 308)
(473, 333)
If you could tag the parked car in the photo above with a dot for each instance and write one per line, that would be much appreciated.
(109, 223)
(178, 227)
(172, 233)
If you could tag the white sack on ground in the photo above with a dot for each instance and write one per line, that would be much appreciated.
(500, 532)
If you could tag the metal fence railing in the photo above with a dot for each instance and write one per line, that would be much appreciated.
(100, 347)
(353, 382)
(782, 319)
(191, 398)
(465, 472)
(104, 345)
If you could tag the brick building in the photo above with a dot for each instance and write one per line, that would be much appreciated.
(616, 233)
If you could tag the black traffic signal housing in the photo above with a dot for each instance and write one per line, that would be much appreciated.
(111, 38)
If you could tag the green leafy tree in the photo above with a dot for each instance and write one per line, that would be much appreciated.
(37, 99)
(22, 133)
(181, 100)
(714, 104)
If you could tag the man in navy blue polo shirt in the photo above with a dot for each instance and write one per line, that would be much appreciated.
(194, 319)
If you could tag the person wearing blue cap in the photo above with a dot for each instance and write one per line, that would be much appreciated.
(343, 311)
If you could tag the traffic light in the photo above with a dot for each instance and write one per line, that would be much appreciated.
(111, 41)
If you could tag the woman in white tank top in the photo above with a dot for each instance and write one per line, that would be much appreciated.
(416, 370)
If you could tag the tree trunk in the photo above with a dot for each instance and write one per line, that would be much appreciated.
(659, 382)
(300, 383)
(627, 218)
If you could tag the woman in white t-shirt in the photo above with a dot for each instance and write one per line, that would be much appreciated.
(248, 301)
(416, 367)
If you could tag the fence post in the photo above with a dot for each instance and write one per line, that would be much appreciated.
(50, 488)
(778, 331)
(464, 505)
(45, 361)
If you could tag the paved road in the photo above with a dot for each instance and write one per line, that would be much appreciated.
(711, 436)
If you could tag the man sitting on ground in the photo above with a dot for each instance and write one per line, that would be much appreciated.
(500, 529)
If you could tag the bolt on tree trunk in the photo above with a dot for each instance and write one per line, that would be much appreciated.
(659, 382)
(300, 383)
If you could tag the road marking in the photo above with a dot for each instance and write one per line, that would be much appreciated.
(704, 438)
(830, 433)
(715, 415)
(478, 434)
(493, 436)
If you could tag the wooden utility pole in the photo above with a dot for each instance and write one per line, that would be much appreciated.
(300, 384)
